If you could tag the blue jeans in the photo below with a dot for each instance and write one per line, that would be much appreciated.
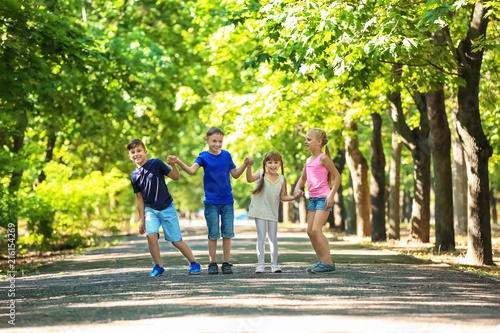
(168, 220)
(226, 213)
(317, 203)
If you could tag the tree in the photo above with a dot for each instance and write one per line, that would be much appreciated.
(377, 183)
(476, 145)
(358, 167)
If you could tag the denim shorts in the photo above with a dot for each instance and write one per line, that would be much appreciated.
(226, 213)
(317, 203)
(168, 220)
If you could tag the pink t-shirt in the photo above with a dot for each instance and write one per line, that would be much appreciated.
(317, 178)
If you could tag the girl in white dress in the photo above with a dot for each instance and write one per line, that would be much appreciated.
(269, 190)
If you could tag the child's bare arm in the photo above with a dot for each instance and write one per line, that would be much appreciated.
(174, 174)
(140, 208)
(251, 177)
(172, 159)
(236, 173)
(300, 184)
(328, 163)
(284, 196)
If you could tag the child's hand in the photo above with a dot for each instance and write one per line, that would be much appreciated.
(249, 160)
(142, 227)
(172, 159)
(298, 193)
(329, 201)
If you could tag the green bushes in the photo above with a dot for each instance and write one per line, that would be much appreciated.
(68, 213)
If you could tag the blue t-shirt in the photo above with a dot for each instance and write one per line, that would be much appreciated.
(150, 181)
(216, 179)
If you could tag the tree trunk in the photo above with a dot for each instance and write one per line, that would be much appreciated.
(440, 147)
(351, 208)
(420, 219)
(394, 196)
(459, 182)
(417, 141)
(359, 171)
(407, 209)
(377, 183)
(17, 173)
(476, 145)
(286, 212)
(493, 202)
(49, 153)
(338, 216)
(302, 208)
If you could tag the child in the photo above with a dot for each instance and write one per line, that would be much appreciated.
(318, 173)
(156, 206)
(217, 165)
(269, 189)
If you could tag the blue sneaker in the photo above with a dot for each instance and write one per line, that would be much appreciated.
(309, 269)
(323, 267)
(157, 270)
(194, 268)
(213, 268)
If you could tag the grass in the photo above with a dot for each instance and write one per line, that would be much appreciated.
(457, 259)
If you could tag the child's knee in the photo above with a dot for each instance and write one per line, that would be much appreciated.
(313, 233)
(153, 237)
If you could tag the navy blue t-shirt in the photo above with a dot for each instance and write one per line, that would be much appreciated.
(216, 181)
(150, 181)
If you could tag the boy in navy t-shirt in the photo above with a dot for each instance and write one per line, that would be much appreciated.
(217, 165)
(156, 206)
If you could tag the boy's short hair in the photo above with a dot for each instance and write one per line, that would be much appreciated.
(134, 143)
(214, 130)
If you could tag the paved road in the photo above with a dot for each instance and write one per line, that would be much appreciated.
(109, 290)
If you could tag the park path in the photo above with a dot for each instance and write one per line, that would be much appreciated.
(109, 290)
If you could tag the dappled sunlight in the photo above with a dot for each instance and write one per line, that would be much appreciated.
(368, 285)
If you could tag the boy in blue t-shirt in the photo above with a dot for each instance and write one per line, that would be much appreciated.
(217, 165)
(156, 206)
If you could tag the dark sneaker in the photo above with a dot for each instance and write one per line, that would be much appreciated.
(194, 268)
(157, 270)
(213, 268)
(309, 269)
(322, 268)
(227, 268)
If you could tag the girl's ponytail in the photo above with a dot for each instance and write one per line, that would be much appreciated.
(260, 186)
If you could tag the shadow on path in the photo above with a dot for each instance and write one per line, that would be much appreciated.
(111, 287)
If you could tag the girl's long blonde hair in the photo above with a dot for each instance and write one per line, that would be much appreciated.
(270, 156)
(319, 134)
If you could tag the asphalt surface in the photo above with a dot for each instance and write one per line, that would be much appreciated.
(109, 290)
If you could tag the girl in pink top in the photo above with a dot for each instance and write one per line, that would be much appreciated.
(323, 180)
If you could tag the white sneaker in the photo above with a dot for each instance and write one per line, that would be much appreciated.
(259, 269)
(275, 269)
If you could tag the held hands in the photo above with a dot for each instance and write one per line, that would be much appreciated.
(249, 161)
(298, 193)
(172, 159)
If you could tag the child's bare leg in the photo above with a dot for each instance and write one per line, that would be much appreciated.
(226, 248)
(212, 250)
(315, 222)
(185, 250)
(154, 248)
